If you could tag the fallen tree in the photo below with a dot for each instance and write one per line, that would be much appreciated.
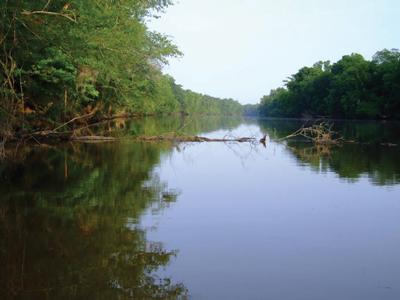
(191, 138)
(164, 138)
(321, 133)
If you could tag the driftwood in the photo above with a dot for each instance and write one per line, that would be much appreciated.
(159, 138)
(92, 138)
(57, 134)
(318, 133)
(190, 138)
(263, 140)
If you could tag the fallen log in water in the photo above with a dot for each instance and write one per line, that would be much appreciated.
(190, 138)
(92, 138)
(51, 136)
(75, 134)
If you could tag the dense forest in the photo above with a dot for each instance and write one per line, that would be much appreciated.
(61, 60)
(351, 88)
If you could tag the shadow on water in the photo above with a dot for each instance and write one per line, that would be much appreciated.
(375, 155)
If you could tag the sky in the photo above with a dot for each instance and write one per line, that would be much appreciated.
(242, 49)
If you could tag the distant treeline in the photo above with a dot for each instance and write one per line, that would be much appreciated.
(62, 59)
(190, 102)
(350, 88)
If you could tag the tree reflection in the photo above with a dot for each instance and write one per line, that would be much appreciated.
(370, 156)
(70, 215)
(69, 224)
(189, 125)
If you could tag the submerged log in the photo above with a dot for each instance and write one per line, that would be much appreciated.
(92, 138)
(190, 138)
(51, 137)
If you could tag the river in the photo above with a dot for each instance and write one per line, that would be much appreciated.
(133, 220)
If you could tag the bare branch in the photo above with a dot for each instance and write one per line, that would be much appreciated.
(47, 5)
(75, 119)
(318, 133)
(72, 18)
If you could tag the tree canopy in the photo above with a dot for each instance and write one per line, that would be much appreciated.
(60, 59)
(350, 88)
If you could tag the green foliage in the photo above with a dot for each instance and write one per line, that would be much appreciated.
(55, 69)
(76, 55)
(49, 77)
(350, 88)
(196, 103)
(251, 109)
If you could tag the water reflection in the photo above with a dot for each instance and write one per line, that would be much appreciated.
(66, 224)
(352, 162)
(70, 216)
(375, 155)
(177, 124)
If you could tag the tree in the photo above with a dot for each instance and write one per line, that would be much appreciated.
(350, 88)
(387, 68)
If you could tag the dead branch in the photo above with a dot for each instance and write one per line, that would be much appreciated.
(70, 17)
(93, 138)
(55, 130)
(318, 133)
(75, 119)
(190, 138)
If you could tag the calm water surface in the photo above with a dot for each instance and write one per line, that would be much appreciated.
(131, 220)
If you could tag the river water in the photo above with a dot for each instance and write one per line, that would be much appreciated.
(130, 220)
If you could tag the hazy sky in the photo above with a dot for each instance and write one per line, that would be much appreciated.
(243, 48)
